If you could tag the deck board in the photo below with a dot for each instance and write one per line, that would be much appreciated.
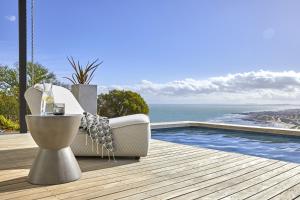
(171, 171)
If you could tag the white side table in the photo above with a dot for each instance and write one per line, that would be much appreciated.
(55, 162)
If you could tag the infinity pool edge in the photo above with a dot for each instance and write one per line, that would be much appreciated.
(257, 129)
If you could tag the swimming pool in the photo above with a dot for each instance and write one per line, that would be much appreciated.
(286, 148)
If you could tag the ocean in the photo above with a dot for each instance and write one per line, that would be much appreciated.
(211, 112)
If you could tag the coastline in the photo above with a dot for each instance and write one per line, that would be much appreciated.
(289, 118)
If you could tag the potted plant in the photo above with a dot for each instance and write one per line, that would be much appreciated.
(84, 92)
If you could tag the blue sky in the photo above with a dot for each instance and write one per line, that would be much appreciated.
(160, 41)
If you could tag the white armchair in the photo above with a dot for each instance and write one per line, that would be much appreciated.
(131, 134)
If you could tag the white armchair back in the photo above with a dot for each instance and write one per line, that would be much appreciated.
(33, 97)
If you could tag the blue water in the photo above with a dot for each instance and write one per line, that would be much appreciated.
(213, 113)
(286, 148)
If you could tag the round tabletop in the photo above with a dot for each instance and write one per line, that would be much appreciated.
(66, 115)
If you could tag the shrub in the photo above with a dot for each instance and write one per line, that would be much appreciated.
(9, 106)
(118, 103)
(7, 124)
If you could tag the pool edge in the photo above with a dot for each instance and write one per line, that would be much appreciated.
(257, 129)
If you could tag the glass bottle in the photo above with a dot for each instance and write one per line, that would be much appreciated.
(47, 102)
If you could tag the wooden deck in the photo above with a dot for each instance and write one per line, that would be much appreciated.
(171, 171)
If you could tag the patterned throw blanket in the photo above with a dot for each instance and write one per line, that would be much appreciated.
(98, 129)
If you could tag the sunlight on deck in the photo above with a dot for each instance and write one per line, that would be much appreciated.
(170, 171)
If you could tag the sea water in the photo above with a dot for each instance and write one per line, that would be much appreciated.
(211, 112)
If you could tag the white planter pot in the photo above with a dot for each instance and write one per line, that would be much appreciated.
(86, 95)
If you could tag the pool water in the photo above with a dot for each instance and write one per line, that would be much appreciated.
(286, 148)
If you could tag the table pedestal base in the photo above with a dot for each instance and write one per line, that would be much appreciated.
(54, 167)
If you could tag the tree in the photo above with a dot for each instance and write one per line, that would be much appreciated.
(9, 82)
(36, 73)
(9, 86)
(118, 103)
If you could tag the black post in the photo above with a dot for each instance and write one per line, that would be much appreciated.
(22, 64)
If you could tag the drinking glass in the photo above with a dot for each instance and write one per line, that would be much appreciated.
(47, 102)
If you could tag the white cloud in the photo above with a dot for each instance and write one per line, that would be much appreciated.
(11, 18)
(249, 87)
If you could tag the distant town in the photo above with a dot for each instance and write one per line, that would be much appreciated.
(285, 119)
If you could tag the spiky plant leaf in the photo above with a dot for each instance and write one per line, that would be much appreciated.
(83, 75)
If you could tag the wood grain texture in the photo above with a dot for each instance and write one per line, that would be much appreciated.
(171, 171)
